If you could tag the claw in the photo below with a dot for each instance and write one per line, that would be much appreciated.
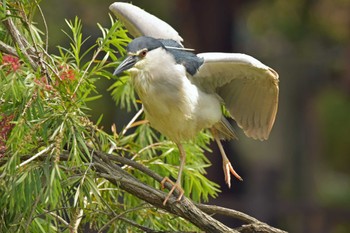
(175, 186)
(228, 169)
(226, 164)
(166, 179)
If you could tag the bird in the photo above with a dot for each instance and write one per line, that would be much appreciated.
(183, 93)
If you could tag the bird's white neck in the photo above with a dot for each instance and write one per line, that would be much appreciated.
(157, 69)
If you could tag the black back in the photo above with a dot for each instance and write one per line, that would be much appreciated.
(186, 58)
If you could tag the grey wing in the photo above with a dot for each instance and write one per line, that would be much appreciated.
(248, 88)
(141, 23)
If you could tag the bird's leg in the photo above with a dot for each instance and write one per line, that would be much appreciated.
(226, 164)
(177, 184)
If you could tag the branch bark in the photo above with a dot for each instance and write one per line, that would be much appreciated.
(198, 214)
(185, 208)
(7, 49)
(25, 47)
(108, 166)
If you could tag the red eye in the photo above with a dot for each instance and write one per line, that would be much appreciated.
(143, 53)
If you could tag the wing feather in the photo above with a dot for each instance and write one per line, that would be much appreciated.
(248, 88)
(141, 23)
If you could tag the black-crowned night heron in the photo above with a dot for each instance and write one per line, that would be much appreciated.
(183, 93)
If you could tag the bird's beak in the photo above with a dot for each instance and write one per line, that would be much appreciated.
(128, 63)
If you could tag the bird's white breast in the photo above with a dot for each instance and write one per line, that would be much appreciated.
(173, 105)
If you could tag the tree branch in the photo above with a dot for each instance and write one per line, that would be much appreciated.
(259, 228)
(7, 49)
(212, 209)
(195, 213)
(254, 226)
(184, 208)
(106, 166)
(20, 40)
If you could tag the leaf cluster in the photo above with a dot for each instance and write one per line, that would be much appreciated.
(48, 182)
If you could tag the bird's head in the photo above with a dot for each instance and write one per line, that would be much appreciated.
(138, 50)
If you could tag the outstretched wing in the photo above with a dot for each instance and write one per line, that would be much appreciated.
(141, 23)
(248, 88)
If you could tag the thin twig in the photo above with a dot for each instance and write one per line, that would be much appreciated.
(119, 216)
(143, 228)
(45, 25)
(96, 53)
(142, 150)
(34, 206)
(132, 121)
(36, 155)
(212, 209)
(136, 165)
(58, 217)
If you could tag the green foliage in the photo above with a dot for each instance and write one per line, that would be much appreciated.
(48, 183)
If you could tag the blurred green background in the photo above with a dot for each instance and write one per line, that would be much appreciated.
(298, 180)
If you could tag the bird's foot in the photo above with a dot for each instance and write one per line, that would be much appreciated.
(228, 169)
(176, 185)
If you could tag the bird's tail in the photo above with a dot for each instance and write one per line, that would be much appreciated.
(224, 130)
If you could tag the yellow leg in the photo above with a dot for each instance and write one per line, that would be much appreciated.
(177, 184)
(226, 164)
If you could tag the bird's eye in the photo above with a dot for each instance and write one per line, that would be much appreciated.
(143, 53)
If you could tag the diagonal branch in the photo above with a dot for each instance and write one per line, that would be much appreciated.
(253, 226)
(106, 166)
(130, 184)
(8, 49)
(198, 214)
(20, 40)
